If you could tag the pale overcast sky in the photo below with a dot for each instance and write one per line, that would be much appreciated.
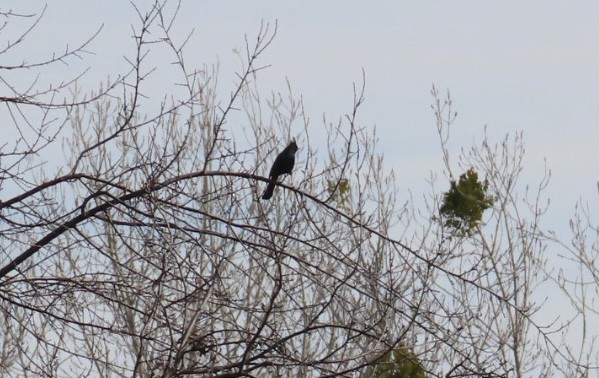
(530, 66)
(511, 65)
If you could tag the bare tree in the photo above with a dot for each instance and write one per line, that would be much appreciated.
(147, 252)
(576, 279)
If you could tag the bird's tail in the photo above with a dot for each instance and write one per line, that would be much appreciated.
(269, 190)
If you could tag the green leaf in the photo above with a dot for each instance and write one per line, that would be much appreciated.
(397, 363)
(465, 202)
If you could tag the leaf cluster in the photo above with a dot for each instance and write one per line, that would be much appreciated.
(397, 363)
(465, 202)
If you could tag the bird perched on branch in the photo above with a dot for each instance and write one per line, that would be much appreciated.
(283, 165)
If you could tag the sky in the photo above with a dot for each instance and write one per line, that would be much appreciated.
(530, 66)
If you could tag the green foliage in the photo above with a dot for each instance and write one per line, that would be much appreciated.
(397, 363)
(340, 192)
(465, 202)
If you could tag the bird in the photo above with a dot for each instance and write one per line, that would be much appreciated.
(283, 165)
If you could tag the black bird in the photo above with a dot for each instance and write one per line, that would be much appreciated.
(283, 164)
